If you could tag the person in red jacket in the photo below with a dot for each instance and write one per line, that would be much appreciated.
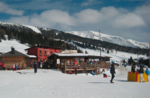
(3, 66)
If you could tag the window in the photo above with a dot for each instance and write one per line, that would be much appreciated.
(45, 53)
(40, 52)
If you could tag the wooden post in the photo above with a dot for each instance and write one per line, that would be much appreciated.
(58, 67)
(65, 68)
(95, 68)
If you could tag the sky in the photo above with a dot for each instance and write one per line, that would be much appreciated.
(125, 18)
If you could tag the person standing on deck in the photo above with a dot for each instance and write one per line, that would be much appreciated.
(112, 71)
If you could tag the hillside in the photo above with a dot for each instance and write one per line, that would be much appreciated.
(108, 38)
(86, 39)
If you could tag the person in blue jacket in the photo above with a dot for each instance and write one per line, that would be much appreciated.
(112, 71)
(15, 67)
(92, 73)
(147, 72)
(35, 66)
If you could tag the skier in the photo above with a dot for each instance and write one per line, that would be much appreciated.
(148, 73)
(112, 71)
(141, 71)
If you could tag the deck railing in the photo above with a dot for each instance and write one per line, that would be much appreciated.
(88, 66)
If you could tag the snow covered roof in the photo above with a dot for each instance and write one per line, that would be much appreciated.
(145, 58)
(74, 55)
(32, 56)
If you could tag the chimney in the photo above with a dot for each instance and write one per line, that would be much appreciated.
(12, 50)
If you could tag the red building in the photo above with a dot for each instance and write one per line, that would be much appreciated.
(42, 52)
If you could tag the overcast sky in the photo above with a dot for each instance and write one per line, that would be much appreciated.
(125, 18)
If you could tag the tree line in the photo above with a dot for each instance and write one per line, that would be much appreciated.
(60, 39)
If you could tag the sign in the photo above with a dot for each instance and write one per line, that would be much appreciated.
(69, 51)
(58, 61)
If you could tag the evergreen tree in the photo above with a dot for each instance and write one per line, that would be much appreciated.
(12, 35)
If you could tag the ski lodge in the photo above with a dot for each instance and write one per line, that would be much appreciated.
(15, 57)
(67, 62)
(42, 52)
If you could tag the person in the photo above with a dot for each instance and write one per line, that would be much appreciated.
(93, 73)
(70, 72)
(75, 69)
(40, 64)
(3, 66)
(103, 72)
(85, 70)
(30, 64)
(148, 73)
(112, 71)
(141, 70)
(15, 67)
(35, 66)
(133, 68)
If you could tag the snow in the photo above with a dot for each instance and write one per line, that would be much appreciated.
(93, 35)
(5, 46)
(73, 54)
(31, 27)
(114, 56)
(109, 38)
(55, 84)
(34, 29)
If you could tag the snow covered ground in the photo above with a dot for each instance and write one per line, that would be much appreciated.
(48, 83)
(114, 56)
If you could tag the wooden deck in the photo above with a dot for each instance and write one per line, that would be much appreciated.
(80, 67)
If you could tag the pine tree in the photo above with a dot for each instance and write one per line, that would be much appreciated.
(16, 37)
(12, 35)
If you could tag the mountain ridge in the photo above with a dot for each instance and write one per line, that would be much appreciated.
(87, 34)
(109, 38)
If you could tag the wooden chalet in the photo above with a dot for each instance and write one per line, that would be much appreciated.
(91, 62)
(14, 57)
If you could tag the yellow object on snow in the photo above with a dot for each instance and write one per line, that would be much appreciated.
(136, 76)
